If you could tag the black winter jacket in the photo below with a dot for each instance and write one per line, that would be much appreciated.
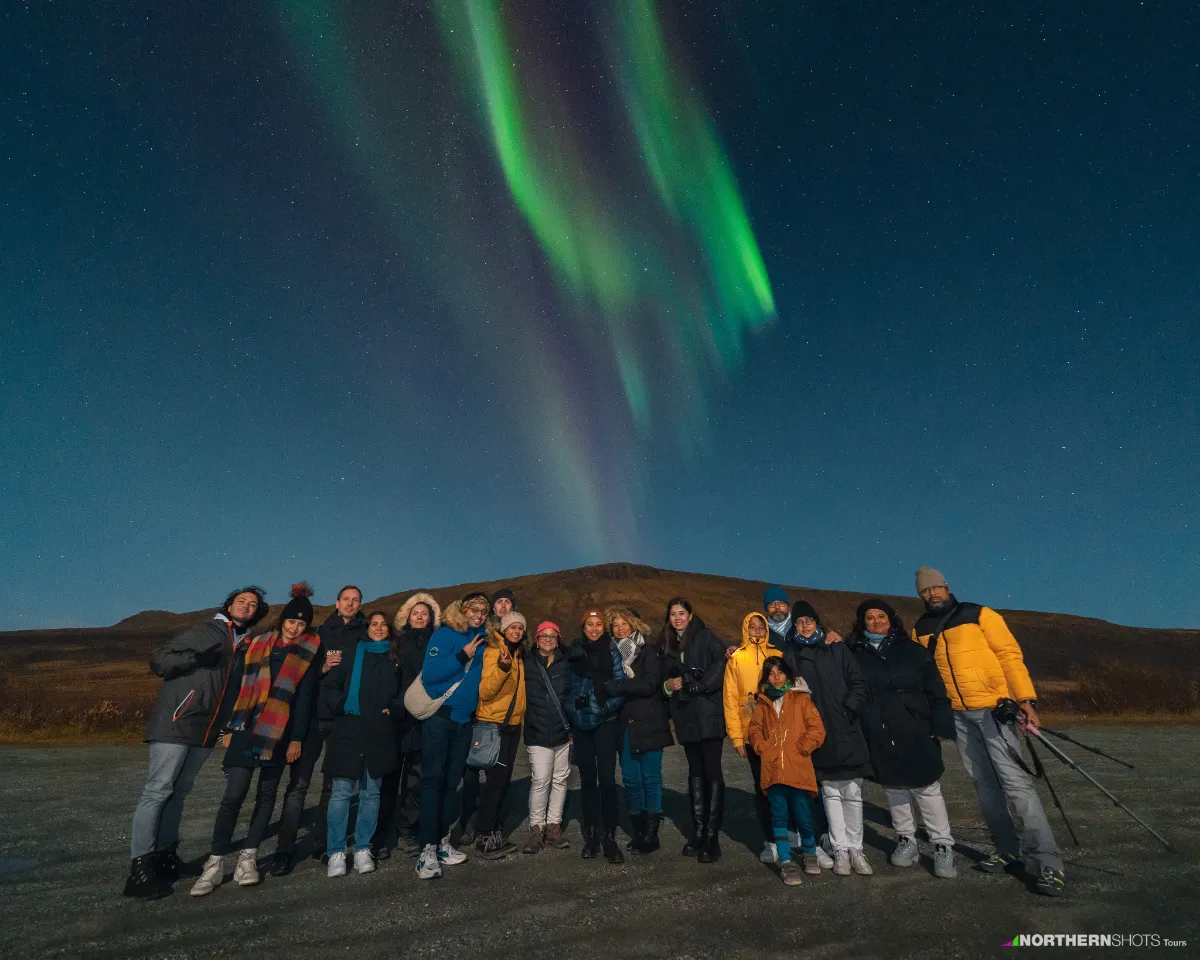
(698, 710)
(335, 634)
(840, 694)
(195, 667)
(371, 736)
(411, 645)
(543, 719)
(303, 704)
(645, 716)
(906, 708)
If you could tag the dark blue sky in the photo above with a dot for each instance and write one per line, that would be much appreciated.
(227, 355)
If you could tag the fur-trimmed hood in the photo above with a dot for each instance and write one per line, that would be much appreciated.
(626, 614)
(401, 620)
(454, 617)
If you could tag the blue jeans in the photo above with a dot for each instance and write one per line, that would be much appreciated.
(172, 772)
(642, 776)
(783, 800)
(444, 748)
(339, 812)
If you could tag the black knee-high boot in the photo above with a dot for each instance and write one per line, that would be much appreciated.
(716, 816)
(698, 801)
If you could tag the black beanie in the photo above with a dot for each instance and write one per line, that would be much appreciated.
(299, 607)
(802, 608)
(875, 603)
(504, 593)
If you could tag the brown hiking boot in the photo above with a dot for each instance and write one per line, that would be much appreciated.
(556, 838)
(533, 843)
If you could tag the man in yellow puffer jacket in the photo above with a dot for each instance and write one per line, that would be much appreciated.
(981, 664)
(743, 674)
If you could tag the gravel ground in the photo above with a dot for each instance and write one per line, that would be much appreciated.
(64, 822)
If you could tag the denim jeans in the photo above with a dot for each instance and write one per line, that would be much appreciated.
(784, 800)
(173, 769)
(339, 812)
(642, 775)
(444, 748)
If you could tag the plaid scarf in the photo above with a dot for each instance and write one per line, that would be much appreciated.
(265, 707)
(628, 648)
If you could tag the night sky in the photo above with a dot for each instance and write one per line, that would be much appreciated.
(418, 293)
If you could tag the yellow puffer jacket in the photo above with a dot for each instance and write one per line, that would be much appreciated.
(498, 686)
(743, 671)
(979, 658)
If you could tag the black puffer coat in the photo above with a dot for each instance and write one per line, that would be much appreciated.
(546, 706)
(697, 715)
(411, 645)
(644, 713)
(840, 693)
(369, 737)
(335, 634)
(906, 708)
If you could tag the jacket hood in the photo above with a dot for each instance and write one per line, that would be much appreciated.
(401, 620)
(798, 686)
(746, 641)
(454, 617)
(629, 616)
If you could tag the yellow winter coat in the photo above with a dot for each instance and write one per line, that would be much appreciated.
(743, 672)
(979, 659)
(498, 686)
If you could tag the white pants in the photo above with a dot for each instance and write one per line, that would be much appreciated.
(550, 767)
(933, 812)
(842, 800)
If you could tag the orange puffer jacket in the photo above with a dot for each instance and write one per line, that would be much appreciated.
(785, 739)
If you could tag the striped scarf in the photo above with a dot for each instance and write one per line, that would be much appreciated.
(628, 648)
(264, 707)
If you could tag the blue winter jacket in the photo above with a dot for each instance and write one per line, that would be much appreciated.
(446, 663)
(596, 711)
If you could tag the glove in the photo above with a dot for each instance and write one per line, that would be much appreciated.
(209, 658)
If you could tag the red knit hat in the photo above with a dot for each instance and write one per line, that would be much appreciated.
(547, 625)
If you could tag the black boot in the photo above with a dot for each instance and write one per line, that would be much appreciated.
(145, 882)
(637, 822)
(698, 799)
(170, 867)
(612, 851)
(649, 842)
(716, 816)
(283, 863)
(591, 842)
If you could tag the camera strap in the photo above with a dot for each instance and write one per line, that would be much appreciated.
(941, 628)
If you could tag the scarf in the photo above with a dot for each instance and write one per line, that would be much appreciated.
(816, 640)
(776, 692)
(781, 629)
(597, 662)
(262, 706)
(628, 649)
(364, 647)
(874, 639)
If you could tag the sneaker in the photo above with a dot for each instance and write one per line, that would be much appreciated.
(1050, 882)
(769, 853)
(812, 866)
(210, 877)
(998, 863)
(824, 858)
(841, 863)
(493, 846)
(381, 852)
(448, 854)
(789, 873)
(337, 865)
(858, 863)
(408, 846)
(906, 853)
(943, 861)
(364, 862)
(466, 834)
(533, 842)
(429, 866)
(556, 838)
(245, 871)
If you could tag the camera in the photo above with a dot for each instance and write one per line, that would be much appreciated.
(1006, 711)
(581, 703)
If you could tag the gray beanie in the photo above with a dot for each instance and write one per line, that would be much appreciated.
(928, 577)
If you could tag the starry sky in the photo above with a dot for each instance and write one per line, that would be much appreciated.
(447, 290)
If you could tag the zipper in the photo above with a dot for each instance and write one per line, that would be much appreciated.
(224, 684)
(950, 667)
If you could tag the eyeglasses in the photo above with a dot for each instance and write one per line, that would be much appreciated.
(806, 621)
(547, 636)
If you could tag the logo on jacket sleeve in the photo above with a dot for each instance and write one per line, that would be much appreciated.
(433, 651)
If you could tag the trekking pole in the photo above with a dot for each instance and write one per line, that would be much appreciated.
(1030, 731)
(1095, 750)
(1042, 775)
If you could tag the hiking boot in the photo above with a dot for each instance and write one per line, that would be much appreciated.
(145, 882)
(429, 865)
(999, 863)
(789, 873)
(363, 861)
(770, 853)
(858, 863)
(493, 846)
(556, 838)
(210, 877)
(283, 864)
(534, 841)
(650, 823)
(381, 852)
(466, 834)
(245, 871)
(638, 823)
(591, 843)
(1050, 882)
(408, 846)
(612, 851)
(170, 866)
(943, 861)
(906, 853)
(812, 866)
(841, 863)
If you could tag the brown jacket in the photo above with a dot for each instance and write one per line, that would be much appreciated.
(784, 741)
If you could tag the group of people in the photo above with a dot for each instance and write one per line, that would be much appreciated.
(420, 717)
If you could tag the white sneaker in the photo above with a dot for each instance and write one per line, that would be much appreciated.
(363, 861)
(448, 854)
(824, 860)
(210, 877)
(858, 863)
(428, 867)
(337, 865)
(841, 863)
(769, 853)
(245, 871)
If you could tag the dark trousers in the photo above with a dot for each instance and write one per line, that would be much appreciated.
(444, 748)
(300, 775)
(704, 759)
(470, 795)
(237, 785)
(400, 800)
(596, 755)
(491, 795)
(761, 806)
